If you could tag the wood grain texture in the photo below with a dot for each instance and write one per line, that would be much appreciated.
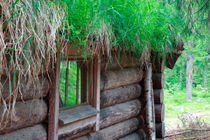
(76, 127)
(158, 96)
(159, 113)
(114, 132)
(160, 130)
(26, 114)
(54, 101)
(133, 136)
(120, 112)
(115, 79)
(28, 89)
(36, 132)
(76, 114)
(120, 95)
(118, 63)
(158, 80)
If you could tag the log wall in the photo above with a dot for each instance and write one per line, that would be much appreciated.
(121, 113)
(158, 85)
(120, 104)
(27, 120)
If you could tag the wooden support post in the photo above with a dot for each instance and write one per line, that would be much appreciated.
(77, 85)
(98, 74)
(150, 113)
(66, 85)
(54, 102)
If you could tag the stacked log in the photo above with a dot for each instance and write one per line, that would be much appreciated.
(158, 84)
(120, 106)
(26, 119)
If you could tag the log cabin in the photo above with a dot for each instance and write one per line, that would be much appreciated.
(111, 103)
(110, 94)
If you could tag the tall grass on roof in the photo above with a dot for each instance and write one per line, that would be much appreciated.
(131, 24)
(28, 30)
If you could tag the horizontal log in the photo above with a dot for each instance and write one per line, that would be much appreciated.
(158, 96)
(70, 130)
(120, 95)
(160, 130)
(26, 114)
(28, 89)
(158, 80)
(120, 112)
(133, 136)
(159, 113)
(115, 79)
(114, 132)
(142, 134)
(36, 132)
(116, 63)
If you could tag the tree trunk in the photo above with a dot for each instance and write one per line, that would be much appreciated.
(189, 76)
(205, 82)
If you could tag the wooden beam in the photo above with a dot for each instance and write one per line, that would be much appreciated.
(116, 79)
(114, 132)
(120, 112)
(77, 84)
(158, 80)
(159, 113)
(158, 96)
(133, 136)
(160, 130)
(98, 91)
(54, 102)
(120, 95)
(26, 114)
(36, 132)
(66, 84)
(29, 90)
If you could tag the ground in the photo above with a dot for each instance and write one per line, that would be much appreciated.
(189, 119)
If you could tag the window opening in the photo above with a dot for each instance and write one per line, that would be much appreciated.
(71, 92)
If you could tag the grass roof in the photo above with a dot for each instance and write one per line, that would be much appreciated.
(31, 29)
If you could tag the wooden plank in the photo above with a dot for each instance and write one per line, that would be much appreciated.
(120, 95)
(160, 130)
(54, 102)
(158, 80)
(76, 114)
(159, 113)
(36, 132)
(133, 136)
(116, 79)
(77, 84)
(158, 96)
(28, 89)
(66, 84)
(142, 134)
(83, 83)
(77, 127)
(114, 132)
(119, 112)
(98, 91)
(26, 114)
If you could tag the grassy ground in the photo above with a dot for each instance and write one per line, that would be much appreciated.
(176, 106)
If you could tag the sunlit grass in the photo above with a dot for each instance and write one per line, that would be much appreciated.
(176, 104)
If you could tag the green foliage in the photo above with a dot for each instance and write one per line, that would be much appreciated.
(72, 78)
(132, 24)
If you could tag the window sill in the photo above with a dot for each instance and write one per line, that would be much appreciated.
(75, 114)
